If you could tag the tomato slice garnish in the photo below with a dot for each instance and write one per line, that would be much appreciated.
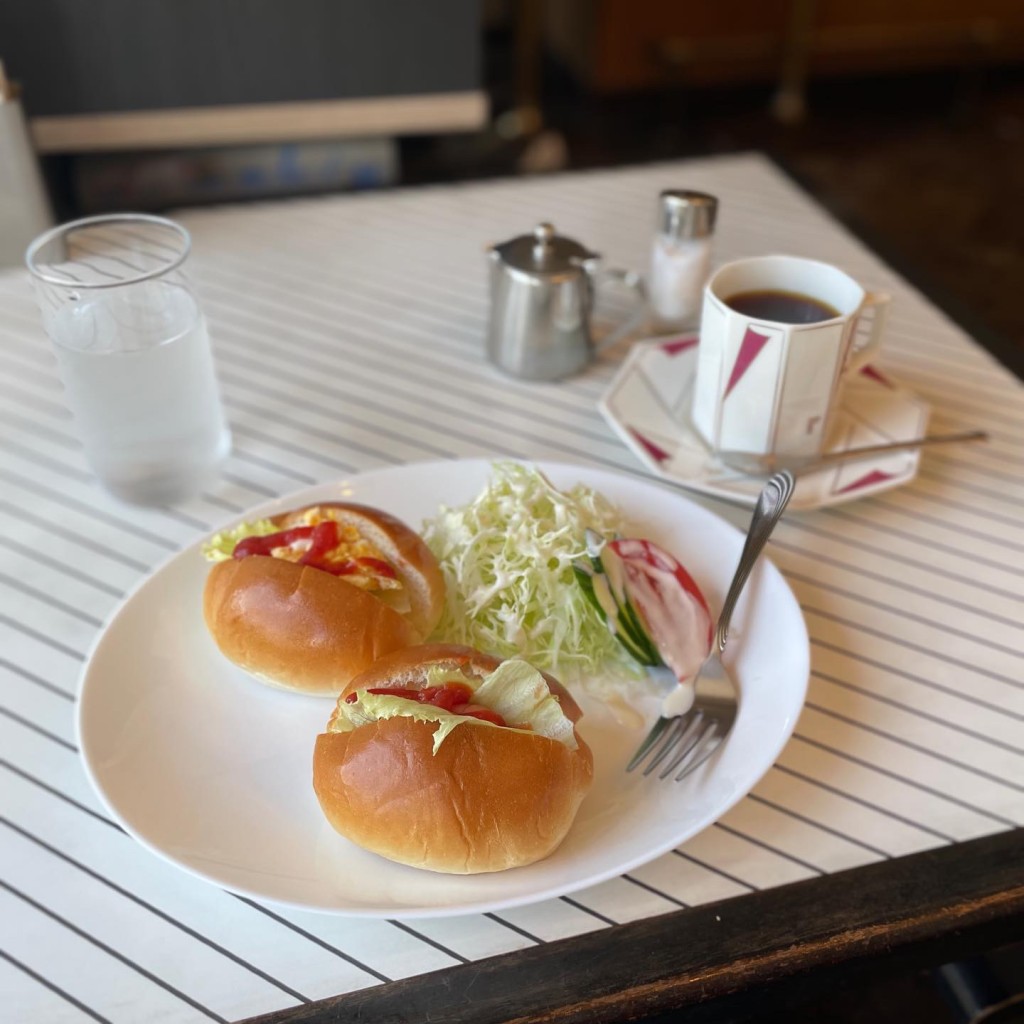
(650, 554)
(650, 572)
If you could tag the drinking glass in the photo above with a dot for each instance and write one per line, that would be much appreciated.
(133, 353)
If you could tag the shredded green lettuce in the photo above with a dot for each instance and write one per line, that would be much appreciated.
(520, 694)
(220, 546)
(515, 690)
(508, 557)
(376, 707)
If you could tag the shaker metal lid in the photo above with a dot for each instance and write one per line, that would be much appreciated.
(543, 252)
(686, 214)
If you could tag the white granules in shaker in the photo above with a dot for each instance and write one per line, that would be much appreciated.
(681, 257)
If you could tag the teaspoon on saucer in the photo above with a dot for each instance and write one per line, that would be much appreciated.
(763, 465)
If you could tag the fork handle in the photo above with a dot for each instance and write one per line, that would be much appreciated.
(771, 503)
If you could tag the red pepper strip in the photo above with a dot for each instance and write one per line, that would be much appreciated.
(454, 697)
(479, 711)
(266, 544)
(446, 696)
(376, 566)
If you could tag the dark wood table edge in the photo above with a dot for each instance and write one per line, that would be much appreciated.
(1008, 352)
(923, 909)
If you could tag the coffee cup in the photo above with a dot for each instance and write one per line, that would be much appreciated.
(778, 336)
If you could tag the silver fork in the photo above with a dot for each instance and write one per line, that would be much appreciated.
(691, 738)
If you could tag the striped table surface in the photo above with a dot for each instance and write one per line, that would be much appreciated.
(348, 334)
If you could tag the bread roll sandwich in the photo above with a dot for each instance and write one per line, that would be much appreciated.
(445, 758)
(309, 599)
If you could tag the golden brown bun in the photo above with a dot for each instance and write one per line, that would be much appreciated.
(304, 629)
(489, 799)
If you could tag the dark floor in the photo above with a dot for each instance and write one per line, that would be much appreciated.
(951, 994)
(928, 168)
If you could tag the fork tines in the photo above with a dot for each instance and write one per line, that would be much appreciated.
(691, 739)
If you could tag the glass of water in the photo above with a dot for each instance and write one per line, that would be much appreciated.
(133, 353)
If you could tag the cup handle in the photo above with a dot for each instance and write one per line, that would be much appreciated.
(860, 355)
(634, 282)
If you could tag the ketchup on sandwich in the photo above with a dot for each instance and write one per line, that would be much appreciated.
(323, 539)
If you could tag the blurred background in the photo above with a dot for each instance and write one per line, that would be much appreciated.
(905, 118)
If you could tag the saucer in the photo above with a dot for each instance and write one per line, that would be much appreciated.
(648, 404)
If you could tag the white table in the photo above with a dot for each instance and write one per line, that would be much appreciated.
(348, 333)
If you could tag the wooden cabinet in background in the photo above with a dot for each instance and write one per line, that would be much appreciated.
(626, 45)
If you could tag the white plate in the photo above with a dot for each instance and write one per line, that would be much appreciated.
(648, 405)
(212, 770)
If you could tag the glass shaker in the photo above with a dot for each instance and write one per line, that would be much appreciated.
(681, 257)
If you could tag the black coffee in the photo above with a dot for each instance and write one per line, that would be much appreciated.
(782, 307)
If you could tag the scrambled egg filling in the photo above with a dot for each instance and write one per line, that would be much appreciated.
(352, 546)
